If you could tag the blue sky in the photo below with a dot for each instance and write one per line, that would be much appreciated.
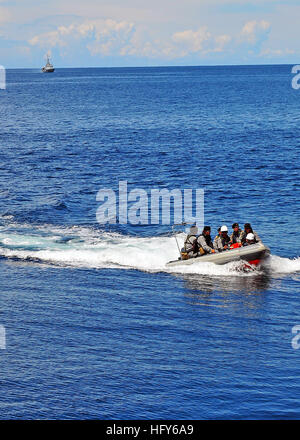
(109, 33)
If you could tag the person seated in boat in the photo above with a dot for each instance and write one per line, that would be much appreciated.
(250, 239)
(190, 246)
(205, 243)
(236, 236)
(222, 241)
(219, 233)
(247, 230)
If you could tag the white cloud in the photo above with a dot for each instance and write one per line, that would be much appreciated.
(255, 32)
(221, 41)
(277, 52)
(142, 45)
(180, 44)
(100, 36)
(192, 41)
(108, 37)
(140, 33)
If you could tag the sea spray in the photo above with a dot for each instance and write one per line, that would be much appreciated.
(85, 247)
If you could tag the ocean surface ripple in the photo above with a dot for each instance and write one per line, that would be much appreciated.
(96, 325)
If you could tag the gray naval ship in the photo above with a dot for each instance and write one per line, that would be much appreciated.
(48, 68)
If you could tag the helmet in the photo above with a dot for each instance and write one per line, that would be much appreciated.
(250, 236)
(235, 225)
(224, 228)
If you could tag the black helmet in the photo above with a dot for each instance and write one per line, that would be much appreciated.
(235, 225)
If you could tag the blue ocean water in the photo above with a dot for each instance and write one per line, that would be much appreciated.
(96, 326)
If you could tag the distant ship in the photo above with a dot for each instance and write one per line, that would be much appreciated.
(48, 67)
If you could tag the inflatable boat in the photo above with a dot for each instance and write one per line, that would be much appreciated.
(252, 254)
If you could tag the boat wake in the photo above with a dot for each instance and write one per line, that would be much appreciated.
(83, 247)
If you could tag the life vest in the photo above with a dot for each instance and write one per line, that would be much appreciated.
(235, 245)
(195, 246)
(207, 238)
(220, 242)
(244, 235)
(237, 237)
(191, 244)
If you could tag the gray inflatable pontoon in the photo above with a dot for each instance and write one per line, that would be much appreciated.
(252, 254)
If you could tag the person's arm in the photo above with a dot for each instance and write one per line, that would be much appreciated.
(227, 244)
(204, 245)
(188, 245)
(216, 244)
(243, 237)
(257, 237)
(239, 240)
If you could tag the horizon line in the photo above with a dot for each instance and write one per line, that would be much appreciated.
(157, 66)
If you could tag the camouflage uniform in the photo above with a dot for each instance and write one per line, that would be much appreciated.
(220, 242)
(188, 245)
(256, 237)
(205, 243)
(236, 237)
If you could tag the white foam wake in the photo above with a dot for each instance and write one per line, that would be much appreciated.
(280, 265)
(88, 248)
